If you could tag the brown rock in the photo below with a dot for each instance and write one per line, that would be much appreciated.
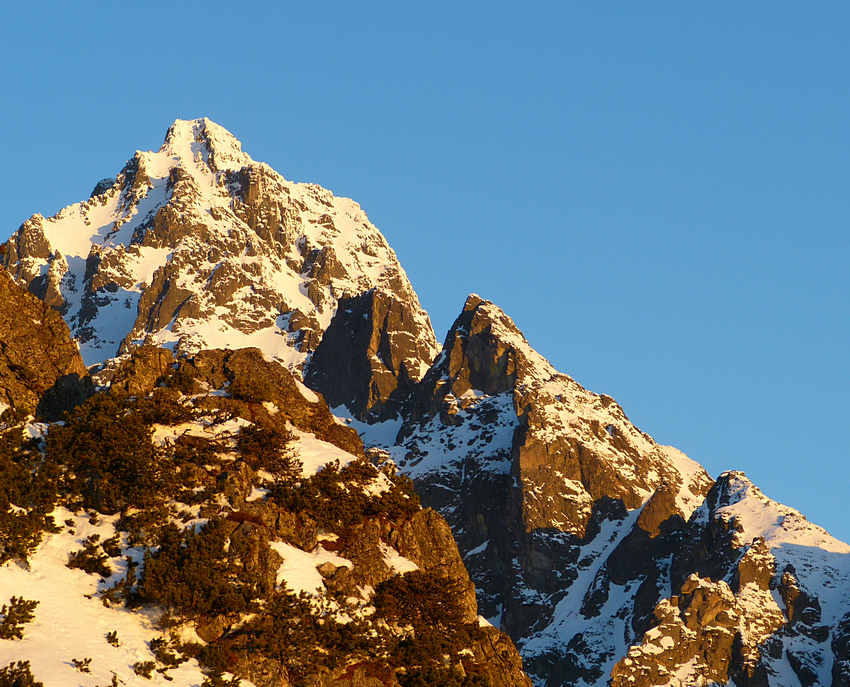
(41, 370)
(142, 371)
(219, 367)
(660, 508)
(370, 356)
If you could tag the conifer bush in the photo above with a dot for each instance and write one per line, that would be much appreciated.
(431, 604)
(435, 676)
(195, 574)
(18, 674)
(264, 447)
(110, 459)
(196, 450)
(338, 498)
(27, 496)
(182, 379)
(164, 406)
(252, 389)
(144, 669)
(421, 599)
(89, 559)
(19, 612)
(292, 631)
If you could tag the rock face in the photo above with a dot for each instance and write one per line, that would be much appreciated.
(41, 370)
(602, 554)
(370, 356)
(298, 405)
(198, 246)
(537, 478)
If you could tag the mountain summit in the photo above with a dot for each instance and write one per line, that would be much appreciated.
(198, 246)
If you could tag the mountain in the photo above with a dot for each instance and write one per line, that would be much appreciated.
(197, 246)
(607, 558)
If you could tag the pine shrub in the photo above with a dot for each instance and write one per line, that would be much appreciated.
(18, 674)
(164, 407)
(305, 639)
(340, 498)
(265, 447)
(432, 605)
(195, 574)
(18, 612)
(89, 559)
(183, 380)
(110, 458)
(28, 486)
(437, 676)
(252, 389)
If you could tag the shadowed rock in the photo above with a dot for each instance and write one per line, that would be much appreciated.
(369, 357)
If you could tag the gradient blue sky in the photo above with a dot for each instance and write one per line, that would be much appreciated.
(657, 193)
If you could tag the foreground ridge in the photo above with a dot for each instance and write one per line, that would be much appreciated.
(209, 522)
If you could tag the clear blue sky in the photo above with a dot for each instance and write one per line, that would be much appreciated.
(657, 193)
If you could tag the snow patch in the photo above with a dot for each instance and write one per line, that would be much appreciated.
(298, 571)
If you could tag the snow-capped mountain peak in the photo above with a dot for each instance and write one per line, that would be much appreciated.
(197, 246)
(204, 139)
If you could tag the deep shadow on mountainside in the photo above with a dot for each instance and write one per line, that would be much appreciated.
(607, 558)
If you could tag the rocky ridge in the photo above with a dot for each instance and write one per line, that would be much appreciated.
(607, 558)
(759, 597)
(550, 490)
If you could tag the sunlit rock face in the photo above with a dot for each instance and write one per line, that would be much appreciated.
(558, 502)
(41, 371)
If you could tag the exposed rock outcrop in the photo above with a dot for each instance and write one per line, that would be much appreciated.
(274, 383)
(41, 371)
(142, 371)
(725, 624)
(608, 558)
(370, 356)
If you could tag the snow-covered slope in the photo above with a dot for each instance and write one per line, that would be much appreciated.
(198, 246)
(71, 622)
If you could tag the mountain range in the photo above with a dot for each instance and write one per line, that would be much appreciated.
(605, 557)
